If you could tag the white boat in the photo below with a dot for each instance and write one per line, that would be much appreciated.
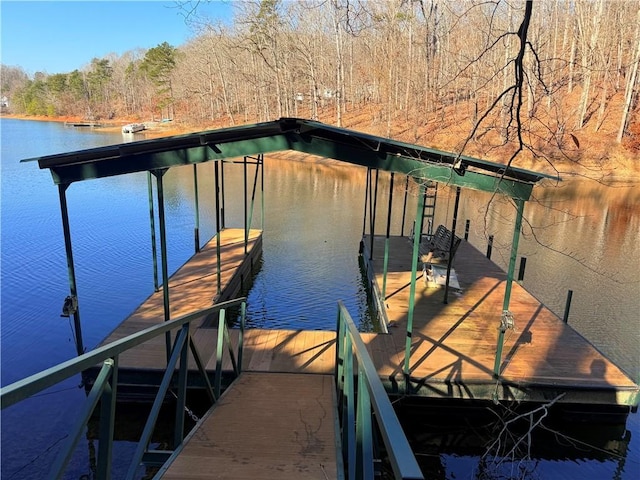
(133, 127)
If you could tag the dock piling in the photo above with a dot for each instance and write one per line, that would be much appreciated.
(489, 247)
(523, 266)
(567, 306)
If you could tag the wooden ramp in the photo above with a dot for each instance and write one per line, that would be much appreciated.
(265, 426)
(453, 346)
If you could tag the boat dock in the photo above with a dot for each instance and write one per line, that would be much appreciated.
(193, 287)
(453, 345)
(452, 355)
(290, 409)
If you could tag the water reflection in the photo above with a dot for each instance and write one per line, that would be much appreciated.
(493, 442)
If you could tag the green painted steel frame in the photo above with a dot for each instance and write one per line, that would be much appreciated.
(356, 424)
(64, 211)
(417, 235)
(104, 387)
(509, 282)
(292, 134)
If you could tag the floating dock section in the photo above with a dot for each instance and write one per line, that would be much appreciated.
(453, 344)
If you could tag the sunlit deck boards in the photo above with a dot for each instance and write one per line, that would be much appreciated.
(266, 426)
(192, 287)
(453, 345)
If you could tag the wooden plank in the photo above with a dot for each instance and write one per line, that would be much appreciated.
(266, 426)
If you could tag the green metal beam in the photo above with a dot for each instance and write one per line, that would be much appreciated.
(438, 172)
(292, 134)
(120, 165)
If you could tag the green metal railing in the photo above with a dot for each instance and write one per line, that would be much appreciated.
(104, 388)
(353, 364)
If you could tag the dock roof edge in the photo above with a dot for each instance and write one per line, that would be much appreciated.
(292, 134)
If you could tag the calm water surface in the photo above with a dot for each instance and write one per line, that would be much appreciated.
(313, 226)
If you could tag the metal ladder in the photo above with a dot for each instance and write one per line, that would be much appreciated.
(429, 209)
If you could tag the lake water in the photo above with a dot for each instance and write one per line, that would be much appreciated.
(313, 226)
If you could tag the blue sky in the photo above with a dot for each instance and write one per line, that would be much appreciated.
(61, 36)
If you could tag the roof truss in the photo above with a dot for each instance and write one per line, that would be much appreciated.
(292, 134)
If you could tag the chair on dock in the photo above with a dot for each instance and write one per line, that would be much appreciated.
(438, 246)
(439, 250)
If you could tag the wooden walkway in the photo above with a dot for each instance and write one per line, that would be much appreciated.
(265, 426)
(453, 346)
(192, 287)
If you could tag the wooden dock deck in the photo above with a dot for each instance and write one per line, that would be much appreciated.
(260, 430)
(192, 287)
(453, 345)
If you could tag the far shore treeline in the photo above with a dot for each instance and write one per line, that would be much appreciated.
(423, 71)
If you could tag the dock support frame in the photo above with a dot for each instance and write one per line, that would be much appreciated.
(506, 320)
(159, 174)
(73, 291)
(417, 235)
(386, 242)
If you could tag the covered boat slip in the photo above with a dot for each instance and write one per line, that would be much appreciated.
(538, 351)
(493, 341)
(452, 348)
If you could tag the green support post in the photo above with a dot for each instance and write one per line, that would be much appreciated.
(152, 223)
(386, 241)
(222, 196)
(75, 311)
(412, 293)
(404, 205)
(196, 233)
(246, 201)
(217, 191)
(373, 203)
(507, 318)
(163, 256)
(261, 157)
(253, 201)
(366, 201)
(453, 239)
